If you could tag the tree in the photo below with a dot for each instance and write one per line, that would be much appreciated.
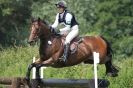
(114, 20)
(14, 15)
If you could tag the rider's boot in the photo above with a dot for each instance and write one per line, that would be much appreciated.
(65, 54)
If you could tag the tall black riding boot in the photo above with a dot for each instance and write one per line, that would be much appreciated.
(66, 49)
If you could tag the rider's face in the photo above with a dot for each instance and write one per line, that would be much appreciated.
(60, 9)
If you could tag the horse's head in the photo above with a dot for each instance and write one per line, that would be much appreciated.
(39, 29)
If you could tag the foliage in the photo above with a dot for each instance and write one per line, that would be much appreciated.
(16, 60)
(125, 47)
(14, 15)
(114, 20)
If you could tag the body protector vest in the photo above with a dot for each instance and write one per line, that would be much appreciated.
(73, 21)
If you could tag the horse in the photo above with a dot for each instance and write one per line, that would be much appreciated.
(51, 49)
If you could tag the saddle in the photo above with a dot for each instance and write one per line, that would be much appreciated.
(74, 43)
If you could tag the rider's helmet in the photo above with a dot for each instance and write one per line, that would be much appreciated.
(61, 4)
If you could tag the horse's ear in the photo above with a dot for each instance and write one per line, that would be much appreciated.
(39, 19)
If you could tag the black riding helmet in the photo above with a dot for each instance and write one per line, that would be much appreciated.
(61, 4)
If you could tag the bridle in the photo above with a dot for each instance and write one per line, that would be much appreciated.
(35, 31)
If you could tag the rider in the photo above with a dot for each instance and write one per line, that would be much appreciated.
(70, 23)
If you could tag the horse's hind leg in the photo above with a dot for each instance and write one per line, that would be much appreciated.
(110, 69)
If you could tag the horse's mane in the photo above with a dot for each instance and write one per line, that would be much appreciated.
(38, 19)
(46, 23)
(53, 34)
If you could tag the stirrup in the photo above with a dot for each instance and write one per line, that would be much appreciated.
(62, 58)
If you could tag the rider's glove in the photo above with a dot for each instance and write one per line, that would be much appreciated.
(52, 29)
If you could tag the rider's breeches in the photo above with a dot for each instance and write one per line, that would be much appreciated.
(72, 34)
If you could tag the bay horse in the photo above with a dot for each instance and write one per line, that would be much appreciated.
(51, 49)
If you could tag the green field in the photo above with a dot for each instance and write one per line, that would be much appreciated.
(14, 62)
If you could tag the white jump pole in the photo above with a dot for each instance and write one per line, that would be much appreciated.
(96, 61)
(34, 70)
(42, 72)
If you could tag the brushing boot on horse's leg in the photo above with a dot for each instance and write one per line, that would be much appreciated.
(27, 78)
(65, 54)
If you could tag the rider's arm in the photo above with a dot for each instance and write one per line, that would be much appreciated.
(68, 22)
(56, 21)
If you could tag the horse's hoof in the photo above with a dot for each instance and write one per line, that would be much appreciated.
(112, 74)
(116, 71)
(39, 66)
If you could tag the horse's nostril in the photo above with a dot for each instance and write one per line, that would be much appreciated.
(31, 42)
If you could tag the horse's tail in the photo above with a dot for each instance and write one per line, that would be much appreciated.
(109, 64)
(109, 49)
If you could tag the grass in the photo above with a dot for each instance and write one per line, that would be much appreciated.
(14, 62)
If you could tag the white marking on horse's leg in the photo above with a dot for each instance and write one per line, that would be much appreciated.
(34, 70)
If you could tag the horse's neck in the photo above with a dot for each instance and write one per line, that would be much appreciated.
(44, 41)
(51, 41)
(45, 30)
(43, 48)
(49, 47)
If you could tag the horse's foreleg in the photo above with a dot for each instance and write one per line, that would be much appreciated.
(35, 64)
(28, 71)
(38, 72)
(50, 61)
(38, 61)
(38, 64)
(41, 63)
